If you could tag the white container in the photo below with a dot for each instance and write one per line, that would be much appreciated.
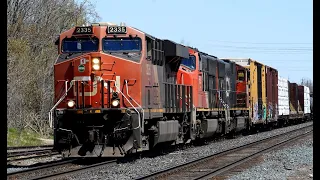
(307, 103)
(283, 97)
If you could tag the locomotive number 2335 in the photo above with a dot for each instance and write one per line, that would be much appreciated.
(116, 30)
(83, 30)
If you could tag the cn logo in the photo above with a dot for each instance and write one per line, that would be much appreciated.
(85, 79)
(95, 85)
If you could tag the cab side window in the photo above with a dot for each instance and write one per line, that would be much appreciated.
(149, 49)
(240, 75)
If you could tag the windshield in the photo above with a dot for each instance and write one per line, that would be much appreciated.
(121, 45)
(80, 45)
(189, 62)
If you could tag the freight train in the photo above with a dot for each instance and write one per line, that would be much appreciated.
(119, 90)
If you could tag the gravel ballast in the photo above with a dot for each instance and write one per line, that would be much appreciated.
(145, 166)
(293, 162)
(28, 162)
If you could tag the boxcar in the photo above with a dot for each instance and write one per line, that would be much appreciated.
(283, 101)
(296, 111)
(304, 101)
(272, 94)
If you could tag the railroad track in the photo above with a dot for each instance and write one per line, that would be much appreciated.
(28, 147)
(29, 152)
(57, 169)
(65, 167)
(32, 156)
(34, 170)
(216, 164)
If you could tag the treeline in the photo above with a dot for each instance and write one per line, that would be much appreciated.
(307, 82)
(33, 27)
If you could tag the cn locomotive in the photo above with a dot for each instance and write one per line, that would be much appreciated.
(119, 90)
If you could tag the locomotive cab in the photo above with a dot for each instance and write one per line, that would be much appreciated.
(96, 92)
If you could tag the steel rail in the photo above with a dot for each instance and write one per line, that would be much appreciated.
(178, 169)
(32, 157)
(78, 170)
(28, 152)
(28, 147)
(229, 166)
(49, 165)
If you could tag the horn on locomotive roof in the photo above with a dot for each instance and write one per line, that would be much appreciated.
(103, 24)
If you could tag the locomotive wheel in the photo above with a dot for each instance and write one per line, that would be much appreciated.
(270, 127)
(247, 131)
(231, 134)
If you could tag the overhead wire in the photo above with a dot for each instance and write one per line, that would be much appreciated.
(237, 42)
(265, 49)
(270, 48)
(283, 48)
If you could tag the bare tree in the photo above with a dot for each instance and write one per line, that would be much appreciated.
(33, 26)
(307, 82)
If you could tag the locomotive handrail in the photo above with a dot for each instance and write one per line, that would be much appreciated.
(71, 85)
(131, 105)
(128, 101)
(59, 94)
(58, 102)
(137, 104)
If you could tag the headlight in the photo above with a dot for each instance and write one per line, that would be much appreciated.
(115, 103)
(71, 103)
(96, 63)
(96, 67)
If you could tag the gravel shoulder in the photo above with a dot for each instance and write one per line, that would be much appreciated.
(144, 166)
(290, 162)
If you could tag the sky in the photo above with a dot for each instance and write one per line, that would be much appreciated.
(278, 33)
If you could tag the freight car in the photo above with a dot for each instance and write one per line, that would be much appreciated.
(304, 101)
(294, 102)
(296, 111)
(272, 96)
(119, 90)
(283, 102)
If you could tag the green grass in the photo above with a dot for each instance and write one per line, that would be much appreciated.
(25, 138)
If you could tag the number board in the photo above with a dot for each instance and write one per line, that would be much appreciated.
(117, 30)
(83, 30)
